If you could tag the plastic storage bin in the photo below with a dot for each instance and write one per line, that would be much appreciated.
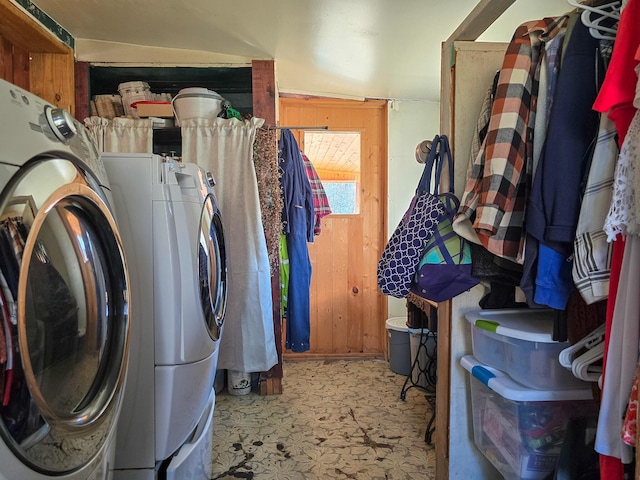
(398, 343)
(520, 430)
(520, 343)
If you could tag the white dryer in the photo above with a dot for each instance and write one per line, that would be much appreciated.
(172, 234)
(63, 298)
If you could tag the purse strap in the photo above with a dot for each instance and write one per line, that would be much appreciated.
(425, 180)
(443, 156)
(439, 154)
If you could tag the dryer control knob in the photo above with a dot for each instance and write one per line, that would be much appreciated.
(61, 123)
(212, 182)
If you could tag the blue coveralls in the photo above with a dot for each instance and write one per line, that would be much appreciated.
(298, 219)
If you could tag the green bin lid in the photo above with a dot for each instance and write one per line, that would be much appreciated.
(531, 324)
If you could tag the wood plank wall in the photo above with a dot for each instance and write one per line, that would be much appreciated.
(14, 64)
(32, 58)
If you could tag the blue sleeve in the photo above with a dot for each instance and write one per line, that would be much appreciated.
(287, 178)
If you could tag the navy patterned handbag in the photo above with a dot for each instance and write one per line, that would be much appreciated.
(401, 256)
(444, 270)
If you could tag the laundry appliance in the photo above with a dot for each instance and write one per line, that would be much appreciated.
(64, 297)
(174, 240)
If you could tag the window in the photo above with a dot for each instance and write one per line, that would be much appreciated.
(336, 159)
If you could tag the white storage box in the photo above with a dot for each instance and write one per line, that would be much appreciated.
(132, 92)
(521, 430)
(520, 343)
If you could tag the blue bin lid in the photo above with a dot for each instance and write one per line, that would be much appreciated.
(505, 386)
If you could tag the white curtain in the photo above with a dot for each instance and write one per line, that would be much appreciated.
(225, 148)
(125, 135)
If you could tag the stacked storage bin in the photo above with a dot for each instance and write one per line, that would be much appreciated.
(522, 398)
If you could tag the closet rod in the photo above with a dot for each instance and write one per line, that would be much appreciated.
(272, 127)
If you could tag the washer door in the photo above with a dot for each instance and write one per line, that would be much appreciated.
(65, 316)
(212, 267)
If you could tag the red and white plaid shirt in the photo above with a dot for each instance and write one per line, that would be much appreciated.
(321, 207)
(508, 147)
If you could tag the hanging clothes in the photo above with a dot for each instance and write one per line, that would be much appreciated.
(284, 274)
(298, 221)
(549, 72)
(499, 220)
(622, 356)
(321, 207)
(554, 204)
(265, 157)
(502, 275)
(591, 251)
(630, 424)
(618, 89)
(6, 349)
(622, 217)
(224, 147)
(616, 98)
(8, 312)
(463, 221)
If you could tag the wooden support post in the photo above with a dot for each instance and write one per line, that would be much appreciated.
(264, 106)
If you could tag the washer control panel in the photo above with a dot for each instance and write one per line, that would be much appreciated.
(36, 127)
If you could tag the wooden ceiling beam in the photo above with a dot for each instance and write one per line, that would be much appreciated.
(480, 19)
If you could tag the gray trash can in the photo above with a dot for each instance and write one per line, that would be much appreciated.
(399, 345)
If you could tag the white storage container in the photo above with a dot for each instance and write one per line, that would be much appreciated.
(196, 102)
(521, 430)
(520, 343)
(132, 92)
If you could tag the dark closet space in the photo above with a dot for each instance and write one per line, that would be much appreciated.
(232, 83)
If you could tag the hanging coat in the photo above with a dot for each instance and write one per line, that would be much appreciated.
(298, 223)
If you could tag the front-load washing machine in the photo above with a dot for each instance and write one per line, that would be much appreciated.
(64, 305)
(174, 241)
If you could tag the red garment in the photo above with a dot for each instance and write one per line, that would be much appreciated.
(619, 86)
(611, 468)
(616, 97)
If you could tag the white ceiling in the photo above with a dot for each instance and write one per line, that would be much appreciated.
(342, 48)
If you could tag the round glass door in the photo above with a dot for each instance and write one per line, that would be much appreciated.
(65, 324)
(212, 268)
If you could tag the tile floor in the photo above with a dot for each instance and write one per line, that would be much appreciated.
(334, 420)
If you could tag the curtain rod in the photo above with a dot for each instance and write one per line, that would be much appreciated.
(272, 127)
